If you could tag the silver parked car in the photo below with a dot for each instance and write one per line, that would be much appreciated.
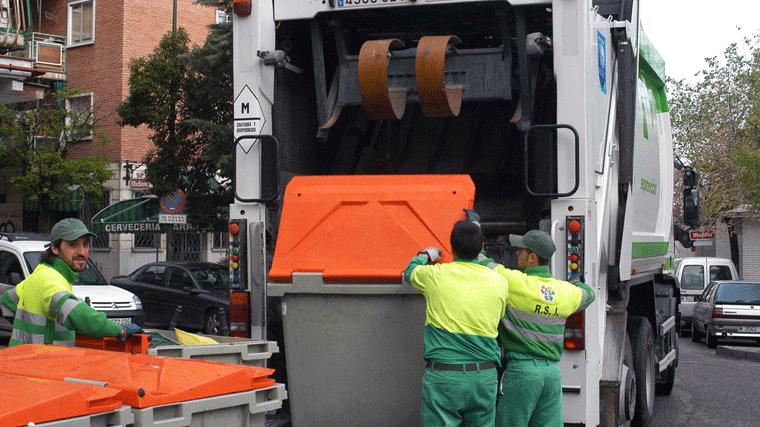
(727, 309)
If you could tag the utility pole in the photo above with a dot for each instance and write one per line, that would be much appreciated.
(174, 18)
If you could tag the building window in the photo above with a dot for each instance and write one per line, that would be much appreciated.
(222, 17)
(146, 240)
(81, 22)
(79, 109)
(219, 240)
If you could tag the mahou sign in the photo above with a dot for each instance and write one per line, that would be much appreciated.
(702, 234)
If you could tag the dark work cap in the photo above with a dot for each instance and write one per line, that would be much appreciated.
(535, 241)
(69, 229)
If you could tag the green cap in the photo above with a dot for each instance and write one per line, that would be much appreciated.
(535, 241)
(69, 229)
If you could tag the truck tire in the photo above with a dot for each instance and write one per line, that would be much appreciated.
(665, 386)
(642, 341)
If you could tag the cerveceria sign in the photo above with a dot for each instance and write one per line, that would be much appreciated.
(131, 227)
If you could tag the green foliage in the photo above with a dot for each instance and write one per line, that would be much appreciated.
(185, 96)
(716, 129)
(38, 140)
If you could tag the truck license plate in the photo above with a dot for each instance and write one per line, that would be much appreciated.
(122, 320)
(687, 298)
(749, 328)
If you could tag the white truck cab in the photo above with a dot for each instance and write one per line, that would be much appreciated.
(693, 274)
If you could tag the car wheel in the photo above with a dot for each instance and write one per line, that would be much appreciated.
(695, 334)
(642, 341)
(212, 323)
(710, 339)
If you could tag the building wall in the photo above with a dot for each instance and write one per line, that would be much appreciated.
(749, 243)
(124, 30)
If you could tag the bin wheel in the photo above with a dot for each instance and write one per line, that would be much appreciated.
(211, 322)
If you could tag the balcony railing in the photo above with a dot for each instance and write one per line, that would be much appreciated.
(48, 51)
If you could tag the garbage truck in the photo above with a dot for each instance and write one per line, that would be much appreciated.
(363, 128)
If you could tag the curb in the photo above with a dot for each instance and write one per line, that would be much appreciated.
(749, 353)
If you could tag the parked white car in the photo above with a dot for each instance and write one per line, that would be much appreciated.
(19, 256)
(694, 274)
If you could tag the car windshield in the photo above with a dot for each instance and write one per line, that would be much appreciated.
(90, 276)
(212, 277)
(693, 277)
(739, 293)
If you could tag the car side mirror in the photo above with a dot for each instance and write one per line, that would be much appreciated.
(15, 278)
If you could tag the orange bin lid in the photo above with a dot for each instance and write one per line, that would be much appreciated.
(137, 343)
(142, 380)
(366, 228)
(38, 400)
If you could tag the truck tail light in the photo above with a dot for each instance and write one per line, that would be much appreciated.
(239, 315)
(575, 332)
(241, 7)
(575, 245)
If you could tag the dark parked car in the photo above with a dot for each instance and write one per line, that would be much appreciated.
(202, 289)
(727, 310)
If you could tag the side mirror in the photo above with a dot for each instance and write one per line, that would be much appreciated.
(691, 207)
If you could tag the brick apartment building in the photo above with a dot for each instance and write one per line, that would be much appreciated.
(88, 44)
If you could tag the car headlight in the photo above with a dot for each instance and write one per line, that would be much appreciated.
(138, 303)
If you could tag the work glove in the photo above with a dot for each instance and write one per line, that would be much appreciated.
(472, 216)
(131, 329)
(575, 278)
(433, 254)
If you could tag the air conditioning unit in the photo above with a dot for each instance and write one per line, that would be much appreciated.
(49, 54)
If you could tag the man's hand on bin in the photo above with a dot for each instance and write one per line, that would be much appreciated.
(433, 254)
(130, 329)
(575, 278)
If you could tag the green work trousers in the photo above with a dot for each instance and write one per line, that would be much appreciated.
(530, 394)
(452, 399)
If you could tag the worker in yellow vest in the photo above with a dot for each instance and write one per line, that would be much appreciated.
(532, 333)
(43, 307)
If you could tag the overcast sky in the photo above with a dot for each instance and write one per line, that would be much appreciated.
(687, 31)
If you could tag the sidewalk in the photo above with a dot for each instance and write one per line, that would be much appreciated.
(749, 353)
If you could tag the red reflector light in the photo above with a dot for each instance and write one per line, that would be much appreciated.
(234, 228)
(241, 7)
(574, 226)
(574, 332)
(239, 315)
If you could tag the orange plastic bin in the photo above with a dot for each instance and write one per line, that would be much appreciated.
(140, 380)
(34, 400)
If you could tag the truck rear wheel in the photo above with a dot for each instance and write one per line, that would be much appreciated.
(642, 341)
(668, 377)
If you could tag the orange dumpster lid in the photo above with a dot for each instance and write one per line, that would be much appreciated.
(142, 380)
(366, 228)
(39, 400)
(137, 343)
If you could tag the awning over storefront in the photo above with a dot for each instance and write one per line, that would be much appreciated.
(70, 203)
(129, 216)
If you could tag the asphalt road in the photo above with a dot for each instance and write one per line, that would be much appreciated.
(712, 389)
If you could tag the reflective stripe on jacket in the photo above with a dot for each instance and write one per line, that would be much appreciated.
(538, 307)
(44, 301)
